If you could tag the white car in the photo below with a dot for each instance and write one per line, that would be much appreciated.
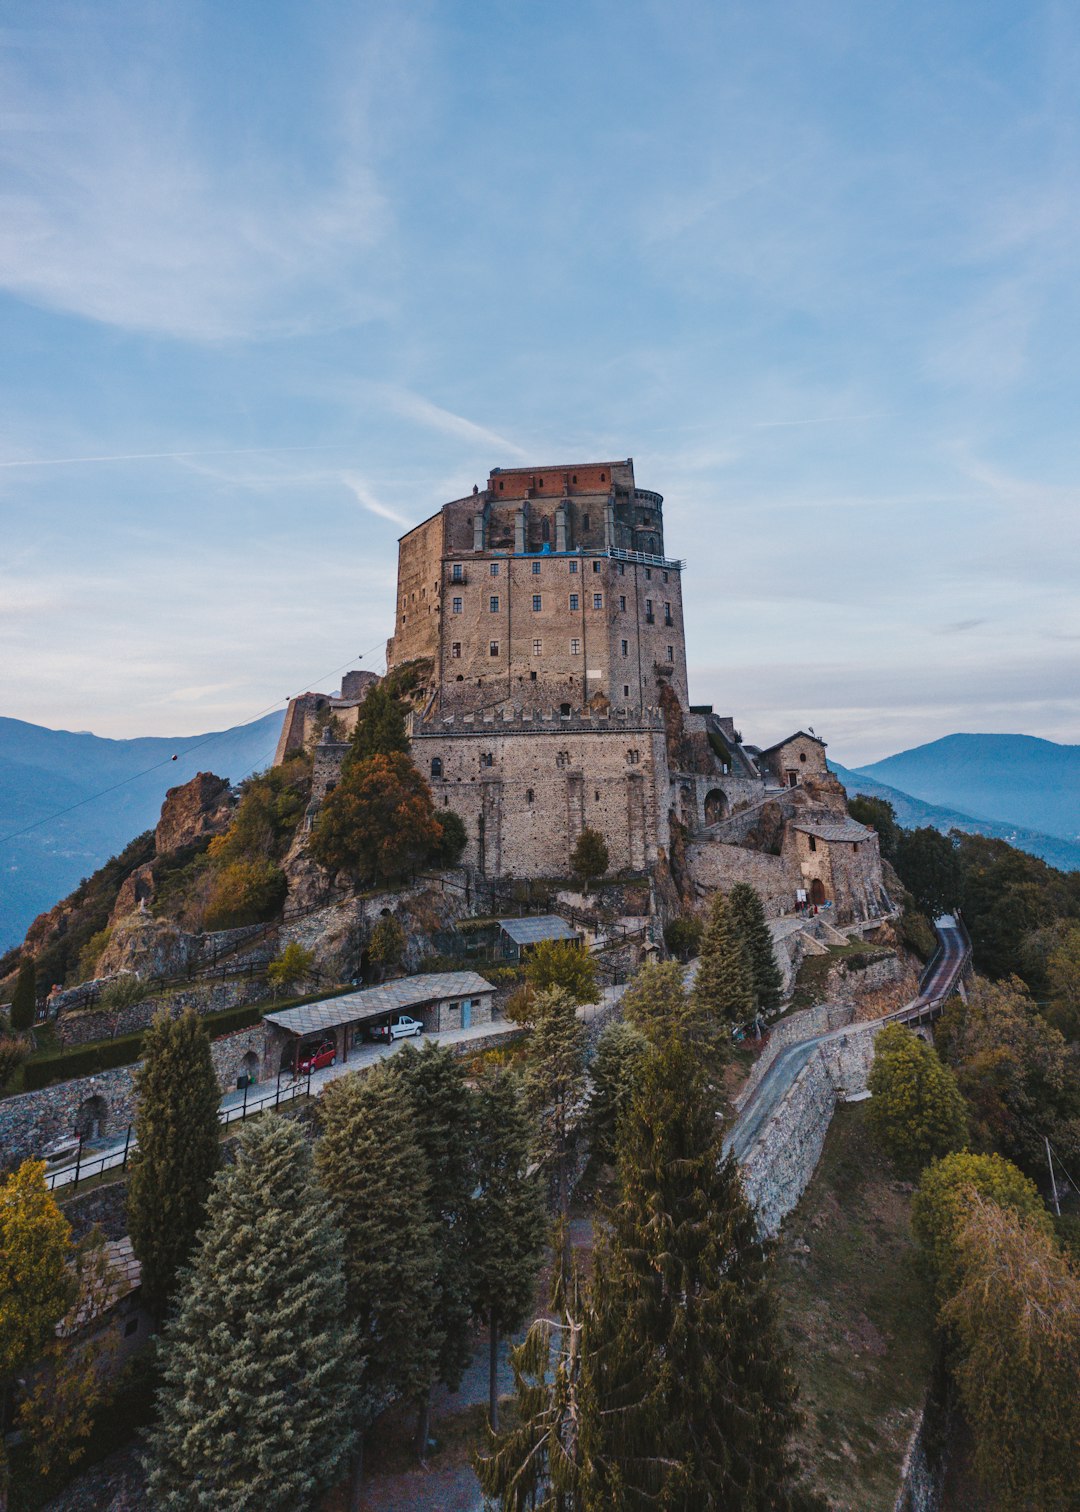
(400, 1028)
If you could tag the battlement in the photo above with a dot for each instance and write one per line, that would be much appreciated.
(511, 719)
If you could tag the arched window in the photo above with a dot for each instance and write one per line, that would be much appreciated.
(436, 766)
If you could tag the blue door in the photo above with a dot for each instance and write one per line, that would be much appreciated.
(466, 1012)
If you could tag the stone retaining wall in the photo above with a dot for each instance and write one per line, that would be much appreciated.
(922, 1476)
(821, 1019)
(713, 866)
(215, 997)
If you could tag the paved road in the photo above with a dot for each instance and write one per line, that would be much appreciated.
(774, 1085)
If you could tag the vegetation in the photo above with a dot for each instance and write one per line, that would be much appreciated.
(292, 966)
(124, 992)
(452, 839)
(655, 1001)
(880, 815)
(766, 979)
(682, 935)
(1063, 974)
(13, 1051)
(259, 1393)
(24, 1001)
(722, 994)
(176, 1125)
(621, 1052)
(555, 1085)
(917, 1113)
(943, 1201)
(929, 868)
(380, 726)
(379, 823)
(565, 965)
(589, 859)
(387, 944)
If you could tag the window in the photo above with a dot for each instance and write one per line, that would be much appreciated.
(813, 842)
(625, 647)
(538, 649)
(486, 759)
(436, 766)
(648, 612)
(598, 600)
(667, 613)
(493, 603)
(802, 755)
(528, 795)
(538, 603)
(665, 577)
(130, 1327)
(596, 565)
(493, 648)
(626, 690)
(622, 603)
(671, 653)
(575, 647)
(494, 569)
(532, 676)
(573, 601)
(648, 574)
(573, 567)
(457, 572)
(545, 531)
(633, 757)
(564, 711)
(621, 569)
(562, 758)
(536, 569)
(456, 606)
(455, 651)
(585, 522)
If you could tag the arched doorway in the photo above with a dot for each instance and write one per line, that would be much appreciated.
(92, 1117)
(249, 1066)
(716, 806)
(817, 891)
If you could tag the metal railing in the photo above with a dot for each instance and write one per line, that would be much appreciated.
(646, 559)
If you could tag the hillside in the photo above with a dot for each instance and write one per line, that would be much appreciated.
(1016, 780)
(913, 813)
(44, 771)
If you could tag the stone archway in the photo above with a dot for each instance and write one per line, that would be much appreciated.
(817, 891)
(716, 806)
(92, 1117)
(249, 1066)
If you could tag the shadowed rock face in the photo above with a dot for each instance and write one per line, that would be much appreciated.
(201, 807)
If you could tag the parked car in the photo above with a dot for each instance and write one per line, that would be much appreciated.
(400, 1028)
(315, 1060)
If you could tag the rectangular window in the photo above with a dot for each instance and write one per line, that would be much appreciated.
(573, 567)
(455, 651)
(671, 653)
(493, 603)
(648, 573)
(665, 577)
(575, 647)
(494, 569)
(626, 690)
(536, 569)
(648, 608)
(622, 603)
(456, 606)
(596, 566)
(457, 572)
(493, 648)
(585, 522)
(538, 603)
(573, 601)
(622, 569)
(625, 647)
(538, 649)
(598, 600)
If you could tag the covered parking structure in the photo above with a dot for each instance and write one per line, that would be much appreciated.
(520, 935)
(441, 1000)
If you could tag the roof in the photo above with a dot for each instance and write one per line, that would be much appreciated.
(833, 829)
(350, 1007)
(543, 927)
(806, 735)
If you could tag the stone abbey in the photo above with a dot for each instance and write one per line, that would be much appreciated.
(542, 622)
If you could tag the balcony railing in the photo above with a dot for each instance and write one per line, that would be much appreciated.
(646, 559)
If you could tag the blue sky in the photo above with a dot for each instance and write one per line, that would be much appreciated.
(278, 279)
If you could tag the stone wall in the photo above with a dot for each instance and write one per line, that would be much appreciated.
(922, 1476)
(821, 1019)
(210, 997)
(104, 1206)
(713, 866)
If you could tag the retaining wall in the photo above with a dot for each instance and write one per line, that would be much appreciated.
(99, 1024)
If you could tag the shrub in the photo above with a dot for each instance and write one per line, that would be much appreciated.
(682, 935)
(245, 892)
(125, 992)
(24, 1003)
(293, 965)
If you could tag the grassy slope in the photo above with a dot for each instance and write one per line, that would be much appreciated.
(858, 1317)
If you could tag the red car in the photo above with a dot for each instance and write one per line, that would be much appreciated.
(315, 1060)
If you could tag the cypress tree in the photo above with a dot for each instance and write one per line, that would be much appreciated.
(766, 980)
(176, 1125)
(432, 1080)
(721, 995)
(508, 1218)
(555, 1085)
(620, 1054)
(24, 1001)
(370, 1161)
(380, 726)
(259, 1392)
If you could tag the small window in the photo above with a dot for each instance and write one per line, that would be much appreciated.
(130, 1327)
(493, 648)
(585, 522)
(648, 573)
(538, 603)
(493, 603)
(625, 646)
(564, 710)
(574, 602)
(494, 569)
(457, 572)
(598, 600)
(633, 757)
(596, 565)
(667, 610)
(573, 567)
(602, 477)
(648, 607)
(456, 605)
(626, 690)
(671, 653)
(621, 569)
(574, 478)
(436, 766)
(665, 577)
(596, 795)
(538, 649)
(802, 755)
(455, 650)
(813, 842)
(575, 647)
(528, 795)
(536, 569)
(540, 484)
(545, 530)
(486, 759)
(622, 603)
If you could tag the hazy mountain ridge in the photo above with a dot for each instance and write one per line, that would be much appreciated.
(43, 771)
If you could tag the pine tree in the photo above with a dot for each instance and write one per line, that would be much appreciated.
(621, 1052)
(370, 1161)
(260, 1389)
(555, 1085)
(508, 1219)
(766, 979)
(24, 1002)
(589, 859)
(655, 1002)
(432, 1080)
(176, 1125)
(721, 995)
(380, 726)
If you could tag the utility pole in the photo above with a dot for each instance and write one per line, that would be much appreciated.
(1053, 1182)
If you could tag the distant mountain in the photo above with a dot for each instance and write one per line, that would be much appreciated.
(43, 772)
(913, 813)
(1015, 779)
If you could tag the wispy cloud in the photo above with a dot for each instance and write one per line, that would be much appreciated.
(374, 506)
(171, 456)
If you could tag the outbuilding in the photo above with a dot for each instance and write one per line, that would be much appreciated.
(521, 935)
(789, 762)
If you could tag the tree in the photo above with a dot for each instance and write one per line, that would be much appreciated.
(929, 868)
(766, 979)
(917, 1113)
(655, 1002)
(176, 1126)
(370, 1162)
(244, 892)
(380, 727)
(432, 1080)
(589, 859)
(292, 966)
(24, 1001)
(1016, 1315)
(621, 1052)
(387, 944)
(722, 994)
(943, 1200)
(880, 815)
(260, 1388)
(555, 1085)
(508, 1217)
(1063, 970)
(125, 991)
(563, 964)
(682, 935)
(379, 822)
(13, 1051)
(452, 840)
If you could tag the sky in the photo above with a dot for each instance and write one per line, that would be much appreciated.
(278, 279)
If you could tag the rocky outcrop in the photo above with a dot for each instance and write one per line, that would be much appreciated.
(201, 807)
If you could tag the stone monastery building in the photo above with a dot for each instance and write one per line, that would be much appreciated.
(544, 624)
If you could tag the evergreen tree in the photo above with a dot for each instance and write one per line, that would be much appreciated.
(589, 859)
(432, 1080)
(508, 1219)
(370, 1161)
(176, 1126)
(655, 1002)
(621, 1052)
(380, 726)
(929, 867)
(917, 1113)
(260, 1388)
(566, 964)
(555, 1085)
(766, 979)
(24, 1002)
(722, 993)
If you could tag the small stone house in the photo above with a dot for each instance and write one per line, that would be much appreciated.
(791, 761)
(839, 863)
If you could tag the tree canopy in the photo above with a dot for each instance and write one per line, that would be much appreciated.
(379, 823)
(917, 1113)
(380, 726)
(929, 868)
(563, 964)
(766, 979)
(589, 858)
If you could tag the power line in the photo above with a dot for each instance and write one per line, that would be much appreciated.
(188, 751)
